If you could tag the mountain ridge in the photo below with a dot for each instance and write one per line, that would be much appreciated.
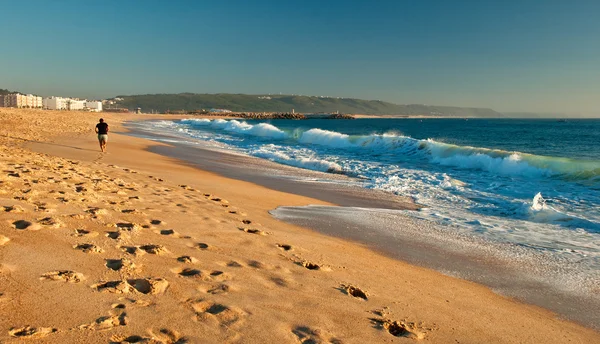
(288, 103)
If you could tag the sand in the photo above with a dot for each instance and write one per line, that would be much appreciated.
(132, 247)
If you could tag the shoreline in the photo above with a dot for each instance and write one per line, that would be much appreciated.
(274, 176)
(506, 269)
(275, 293)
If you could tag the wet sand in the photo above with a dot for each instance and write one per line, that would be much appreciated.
(362, 216)
(131, 246)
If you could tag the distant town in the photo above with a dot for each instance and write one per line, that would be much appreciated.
(18, 100)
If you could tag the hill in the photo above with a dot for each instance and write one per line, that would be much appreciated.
(285, 103)
(3, 92)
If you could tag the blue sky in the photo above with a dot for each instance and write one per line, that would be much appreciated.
(538, 56)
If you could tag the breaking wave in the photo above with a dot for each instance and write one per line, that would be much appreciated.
(494, 161)
(261, 130)
(310, 163)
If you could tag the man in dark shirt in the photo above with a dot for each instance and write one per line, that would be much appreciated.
(102, 131)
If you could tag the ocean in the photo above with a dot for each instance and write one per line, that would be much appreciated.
(524, 194)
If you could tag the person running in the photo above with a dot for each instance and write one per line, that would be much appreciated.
(102, 131)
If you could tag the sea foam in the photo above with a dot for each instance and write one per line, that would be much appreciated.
(494, 161)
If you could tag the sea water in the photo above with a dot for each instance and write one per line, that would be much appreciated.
(533, 185)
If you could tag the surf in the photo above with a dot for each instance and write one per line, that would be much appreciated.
(494, 161)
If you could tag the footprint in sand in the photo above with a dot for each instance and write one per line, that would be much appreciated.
(203, 246)
(50, 222)
(120, 264)
(284, 247)
(234, 264)
(191, 272)
(31, 332)
(223, 202)
(400, 328)
(307, 335)
(127, 226)
(133, 250)
(188, 272)
(353, 291)
(154, 249)
(149, 285)
(106, 322)
(142, 285)
(173, 233)
(85, 233)
(215, 312)
(187, 259)
(116, 235)
(88, 248)
(97, 211)
(13, 209)
(218, 276)
(132, 211)
(256, 264)
(63, 275)
(116, 287)
(162, 336)
(215, 289)
(26, 225)
(252, 231)
(309, 265)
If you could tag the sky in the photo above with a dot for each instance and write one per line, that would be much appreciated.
(512, 56)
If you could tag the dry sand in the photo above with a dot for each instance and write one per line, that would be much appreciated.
(132, 247)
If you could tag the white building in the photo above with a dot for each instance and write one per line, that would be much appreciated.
(18, 100)
(55, 103)
(95, 106)
(75, 104)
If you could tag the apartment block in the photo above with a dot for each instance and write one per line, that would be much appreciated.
(55, 103)
(21, 101)
(94, 106)
(75, 104)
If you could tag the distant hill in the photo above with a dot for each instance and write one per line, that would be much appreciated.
(285, 103)
(3, 92)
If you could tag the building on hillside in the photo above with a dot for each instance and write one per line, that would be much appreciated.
(55, 103)
(1, 101)
(94, 106)
(18, 100)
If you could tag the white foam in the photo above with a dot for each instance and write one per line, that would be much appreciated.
(494, 161)
(240, 127)
(297, 161)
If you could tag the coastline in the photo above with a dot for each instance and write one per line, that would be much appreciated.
(272, 295)
(358, 215)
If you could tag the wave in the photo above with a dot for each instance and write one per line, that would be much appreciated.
(303, 162)
(539, 211)
(260, 130)
(491, 160)
(401, 147)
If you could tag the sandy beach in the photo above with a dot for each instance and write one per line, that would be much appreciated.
(130, 246)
